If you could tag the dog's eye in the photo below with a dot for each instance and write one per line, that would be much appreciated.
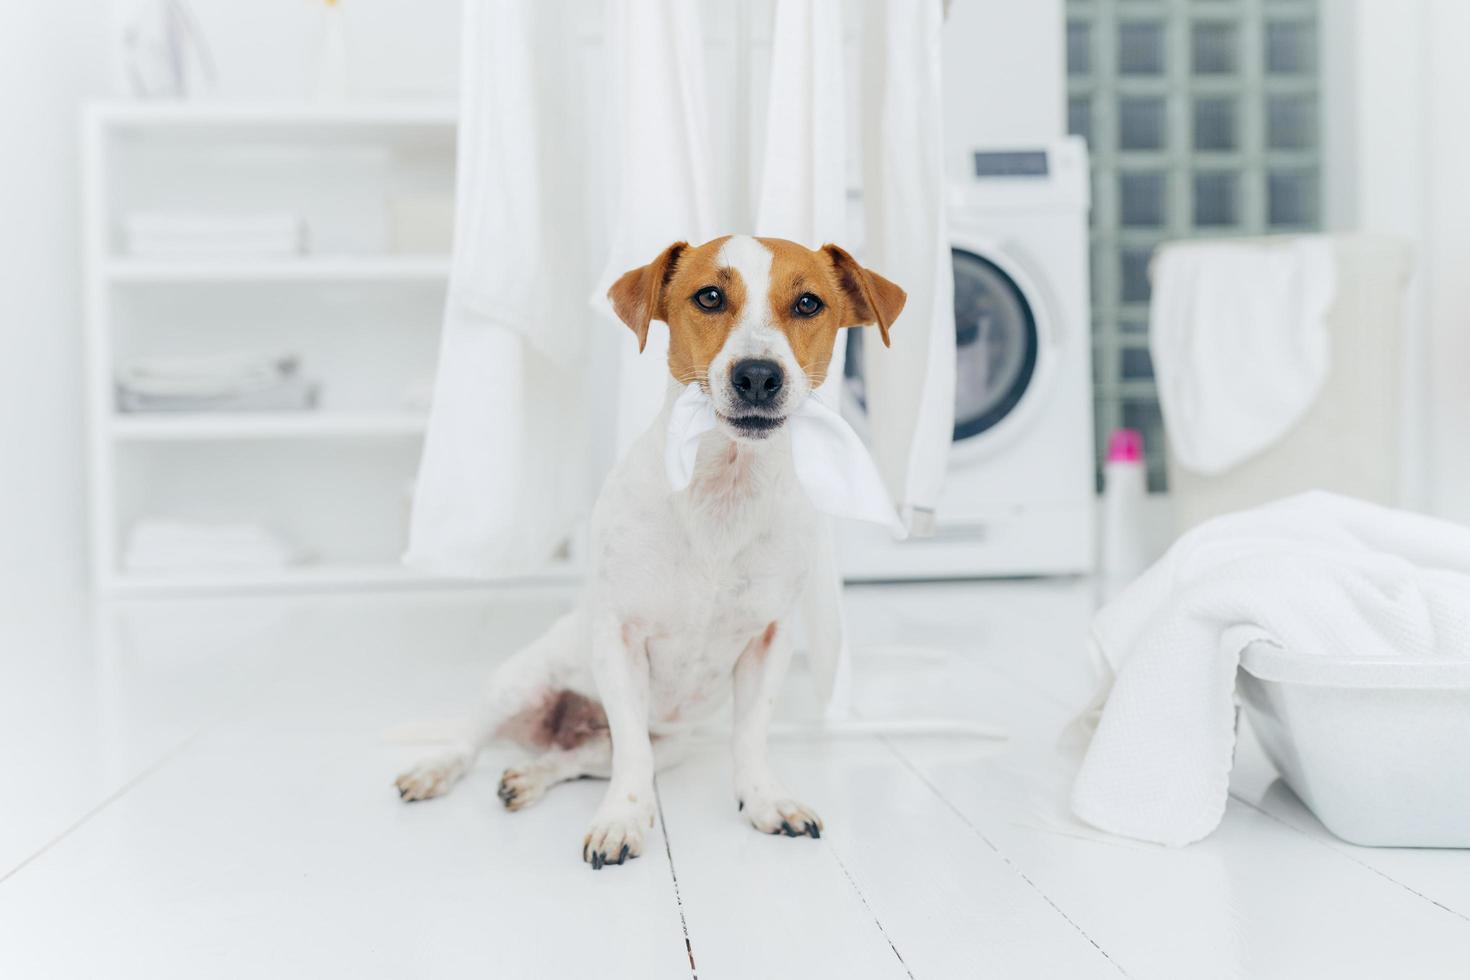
(710, 298)
(806, 305)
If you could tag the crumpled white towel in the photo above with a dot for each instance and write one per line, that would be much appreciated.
(1239, 341)
(832, 463)
(1317, 574)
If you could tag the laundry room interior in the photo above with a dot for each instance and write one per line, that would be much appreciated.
(1070, 390)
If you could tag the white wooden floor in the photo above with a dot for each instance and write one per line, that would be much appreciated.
(202, 789)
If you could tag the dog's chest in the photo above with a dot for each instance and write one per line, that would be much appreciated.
(723, 604)
(707, 571)
(745, 545)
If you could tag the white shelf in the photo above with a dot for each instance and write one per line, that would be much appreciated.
(397, 268)
(186, 427)
(339, 576)
(347, 505)
(295, 121)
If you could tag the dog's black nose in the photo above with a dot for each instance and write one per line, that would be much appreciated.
(757, 382)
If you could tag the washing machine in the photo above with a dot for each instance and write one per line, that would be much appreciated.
(1019, 496)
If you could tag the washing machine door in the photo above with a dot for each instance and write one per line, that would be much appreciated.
(997, 344)
(999, 351)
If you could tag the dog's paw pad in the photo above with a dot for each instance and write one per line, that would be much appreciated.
(519, 788)
(784, 817)
(615, 839)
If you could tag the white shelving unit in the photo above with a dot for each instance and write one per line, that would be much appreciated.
(265, 425)
(361, 313)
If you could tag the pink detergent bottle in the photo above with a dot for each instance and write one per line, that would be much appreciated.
(1125, 490)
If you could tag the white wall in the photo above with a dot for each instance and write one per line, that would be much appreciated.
(267, 49)
(52, 56)
(1005, 76)
(1397, 151)
(1447, 256)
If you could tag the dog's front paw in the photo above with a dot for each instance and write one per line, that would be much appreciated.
(776, 816)
(616, 834)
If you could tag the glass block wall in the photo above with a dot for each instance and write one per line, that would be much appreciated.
(1201, 118)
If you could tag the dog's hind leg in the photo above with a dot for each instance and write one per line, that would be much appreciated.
(520, 786)
(518, 688)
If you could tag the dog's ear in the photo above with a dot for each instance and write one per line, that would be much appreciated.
(870, 297)
(637, 297)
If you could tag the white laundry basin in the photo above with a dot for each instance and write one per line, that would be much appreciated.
(1379, 751)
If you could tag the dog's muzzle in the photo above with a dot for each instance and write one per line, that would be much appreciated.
(759, 385)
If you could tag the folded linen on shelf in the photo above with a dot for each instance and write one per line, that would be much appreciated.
(290, 395)
(163, 234)
(215, 383)
(207, 374)
(163, 545)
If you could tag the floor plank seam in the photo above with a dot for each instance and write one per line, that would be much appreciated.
(1347, 856)
(876, 921)
(1001, 854)
(103, 804)
(663, 826)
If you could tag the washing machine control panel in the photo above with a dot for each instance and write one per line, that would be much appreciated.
(1025, 177)
(1011, 163)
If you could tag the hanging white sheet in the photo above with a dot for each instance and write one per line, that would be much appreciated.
(501, 480)
(1239, 341)
(909, 388)
(662, 192)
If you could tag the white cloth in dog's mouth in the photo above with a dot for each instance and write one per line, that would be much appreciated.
(832, 464)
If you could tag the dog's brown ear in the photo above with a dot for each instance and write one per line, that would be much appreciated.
(870, 297)
(637, 296)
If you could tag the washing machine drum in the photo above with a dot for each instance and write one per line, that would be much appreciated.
(996, 345)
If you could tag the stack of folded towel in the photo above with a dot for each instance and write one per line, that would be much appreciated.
(173, 235)
(215, 383)
(1316, 574)
(160, 545)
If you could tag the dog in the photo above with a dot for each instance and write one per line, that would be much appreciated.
(691, 593)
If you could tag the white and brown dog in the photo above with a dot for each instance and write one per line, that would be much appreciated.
(691, 591)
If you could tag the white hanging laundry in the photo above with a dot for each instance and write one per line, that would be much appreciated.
(910, 388)
(519, 202)
(803, 184)
(803, 188)
(1239, 341)
(501, 481)
(803, 197)
(662, 191)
